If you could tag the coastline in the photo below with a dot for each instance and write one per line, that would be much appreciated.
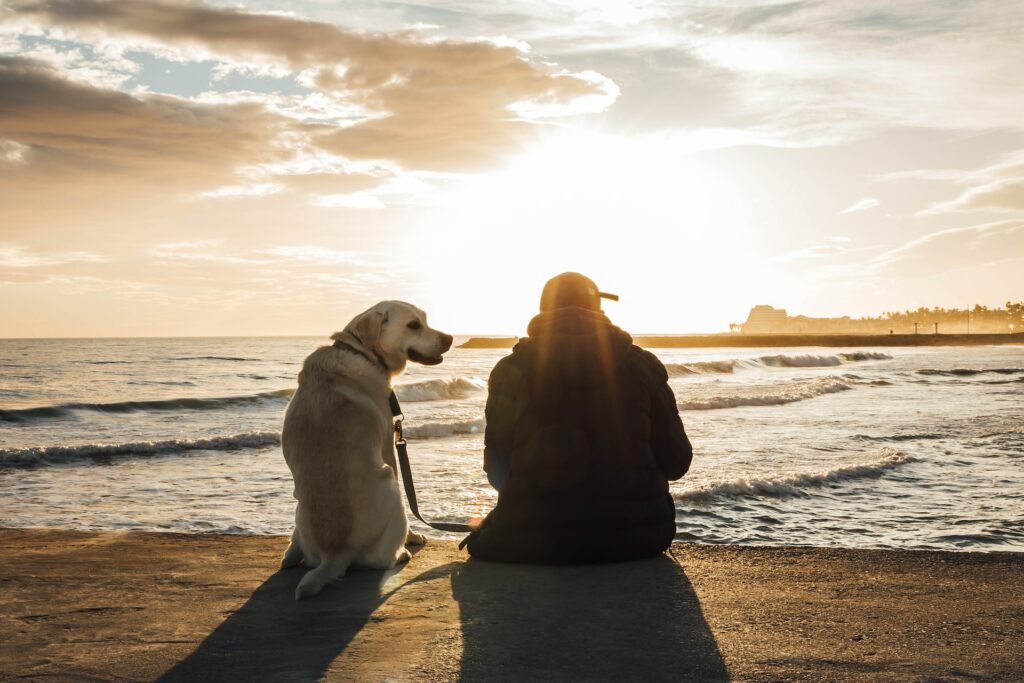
(723, 341)
(145, 606)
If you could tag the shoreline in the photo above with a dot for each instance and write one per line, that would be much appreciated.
(726, 340)
(170, 607)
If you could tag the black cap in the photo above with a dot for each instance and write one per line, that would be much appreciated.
(572, 289)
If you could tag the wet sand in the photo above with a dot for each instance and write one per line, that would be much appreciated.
(140, 606)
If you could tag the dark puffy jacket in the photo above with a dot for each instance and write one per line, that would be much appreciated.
(583, 435)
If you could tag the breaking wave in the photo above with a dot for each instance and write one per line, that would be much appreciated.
(805, 360)
(856, 356)
(970, 372)
(780, 361)
(64, 410)
(441, 389)
(701, 367)
(59, 454)
(795, 485)
(900, 437)
(769, 396)
(437, 430)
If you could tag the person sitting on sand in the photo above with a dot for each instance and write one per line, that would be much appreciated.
(583, 435)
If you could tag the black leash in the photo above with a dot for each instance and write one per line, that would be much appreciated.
(410, 489)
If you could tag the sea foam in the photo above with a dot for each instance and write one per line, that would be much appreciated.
(441, 389)
(795, 485)
(781, 394)
(437, 430)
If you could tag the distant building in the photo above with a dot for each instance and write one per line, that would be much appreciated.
(764, 319)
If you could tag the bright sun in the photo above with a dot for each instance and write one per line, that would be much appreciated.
(641, 219)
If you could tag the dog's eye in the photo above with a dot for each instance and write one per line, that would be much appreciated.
(414, 325)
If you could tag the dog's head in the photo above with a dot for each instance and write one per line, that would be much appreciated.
(394, 332)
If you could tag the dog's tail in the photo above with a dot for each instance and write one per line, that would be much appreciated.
(328, 570)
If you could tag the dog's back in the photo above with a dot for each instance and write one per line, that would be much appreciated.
(332, 440)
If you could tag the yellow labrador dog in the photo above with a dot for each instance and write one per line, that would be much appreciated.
(337, 441)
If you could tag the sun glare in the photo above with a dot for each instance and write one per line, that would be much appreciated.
(643, 220)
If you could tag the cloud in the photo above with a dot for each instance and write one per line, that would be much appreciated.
(203, 251)
(998, 187)
(74, 129)
(812, 74)
(862, 205)
(239, 191)
(12, 152)
(955, 248)
(997, 195)
(21, 257)
(210, 251)
(432, 104)
(314, 254)
(813, 252)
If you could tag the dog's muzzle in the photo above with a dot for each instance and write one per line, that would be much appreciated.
(423, 359)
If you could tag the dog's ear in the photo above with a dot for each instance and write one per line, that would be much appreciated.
(368, 328)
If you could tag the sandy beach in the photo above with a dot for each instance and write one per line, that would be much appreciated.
(141, 606)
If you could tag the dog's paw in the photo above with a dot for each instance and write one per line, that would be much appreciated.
(413, 538)
(292, 558)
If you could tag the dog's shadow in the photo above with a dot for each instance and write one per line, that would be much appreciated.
(273, 637)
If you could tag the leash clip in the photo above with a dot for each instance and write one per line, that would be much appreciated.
(399, 438)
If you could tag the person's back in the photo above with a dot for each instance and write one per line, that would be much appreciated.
(582, 437)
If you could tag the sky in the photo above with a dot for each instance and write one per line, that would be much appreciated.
(273, 168)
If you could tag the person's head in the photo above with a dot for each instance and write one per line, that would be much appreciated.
(572, 289)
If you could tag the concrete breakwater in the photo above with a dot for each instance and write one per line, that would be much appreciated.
(709, 341)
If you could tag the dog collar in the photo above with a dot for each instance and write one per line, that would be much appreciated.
(376, 358)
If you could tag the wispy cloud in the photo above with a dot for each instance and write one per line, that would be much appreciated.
(862, 205)
(311, 253)
(203, 251)
(213, 251)
(239, 191)
(22, 257)
(1002, 195)
(813, 252)
(997, 187)
(954, 248)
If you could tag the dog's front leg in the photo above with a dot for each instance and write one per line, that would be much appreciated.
(387, 454)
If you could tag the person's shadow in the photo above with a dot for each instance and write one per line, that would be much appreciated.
(632, 621)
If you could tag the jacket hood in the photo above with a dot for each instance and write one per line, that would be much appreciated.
(577, 345)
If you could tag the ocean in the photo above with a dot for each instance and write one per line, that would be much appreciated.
(868, 448)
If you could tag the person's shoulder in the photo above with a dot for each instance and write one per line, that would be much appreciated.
(506, 369)
(648, 364)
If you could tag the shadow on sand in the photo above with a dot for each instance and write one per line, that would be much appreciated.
(619, 622)
(272, 637)
(634, 621)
